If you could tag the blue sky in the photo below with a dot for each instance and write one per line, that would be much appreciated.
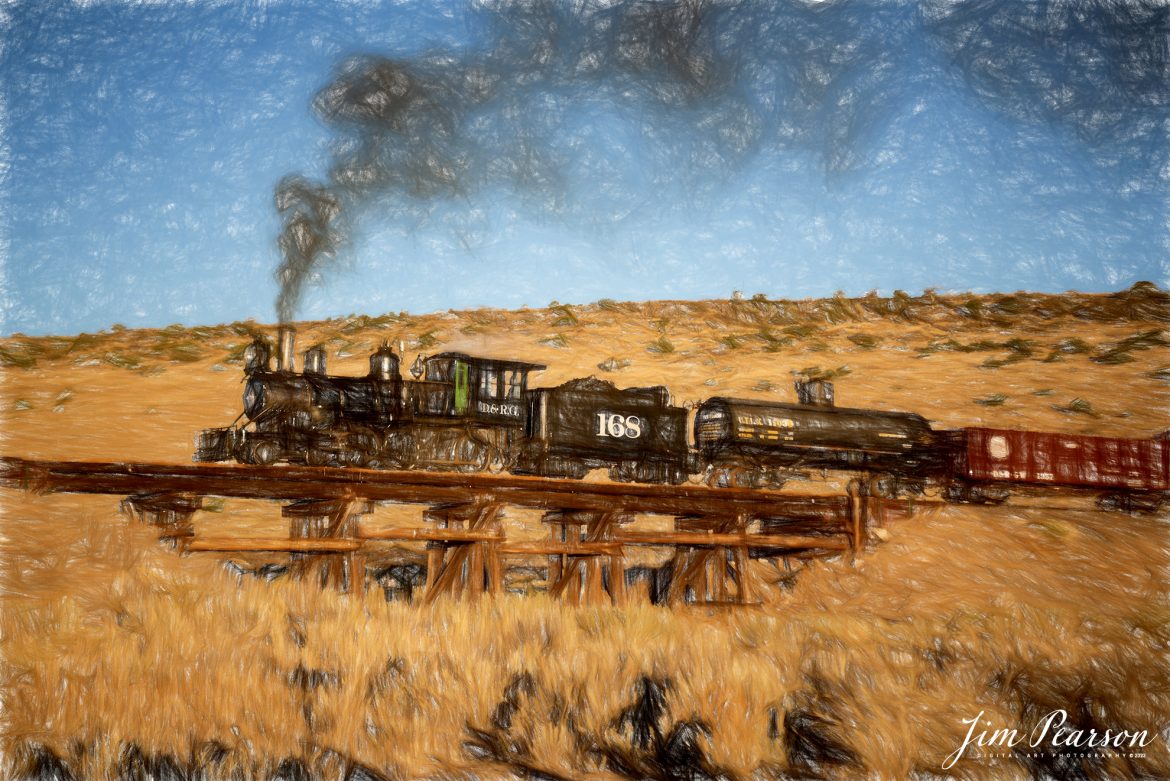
(541, 152)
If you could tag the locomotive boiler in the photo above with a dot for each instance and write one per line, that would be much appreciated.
(308, 417)
(461, 412)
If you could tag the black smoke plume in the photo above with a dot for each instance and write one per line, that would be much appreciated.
(309, 235)
(590, 113)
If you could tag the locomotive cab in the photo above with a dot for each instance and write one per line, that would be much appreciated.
(486, 390)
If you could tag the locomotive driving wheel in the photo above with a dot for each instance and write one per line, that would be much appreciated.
(363, 449)
(492, 450)
(357, 457)
(260, 453)
(315, 456)
(400, 450)
(497, 461)
(471, 456)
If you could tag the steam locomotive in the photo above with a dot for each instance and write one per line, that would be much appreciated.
(467, 413)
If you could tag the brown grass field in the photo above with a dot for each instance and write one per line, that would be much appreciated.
(125, 660)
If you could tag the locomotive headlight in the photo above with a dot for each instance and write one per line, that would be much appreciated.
(253, 398)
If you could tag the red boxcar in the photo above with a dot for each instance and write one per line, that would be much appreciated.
(1006, 456)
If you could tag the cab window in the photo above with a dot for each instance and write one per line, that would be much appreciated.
(488, 383)
(515, 380)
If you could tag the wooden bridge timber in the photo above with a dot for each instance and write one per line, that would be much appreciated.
(716, 529)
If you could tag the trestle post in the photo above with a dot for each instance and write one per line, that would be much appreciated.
(465, 567)
(333, 519)
(706, 573)
(858, 492)
(596, 569)
(170, 513)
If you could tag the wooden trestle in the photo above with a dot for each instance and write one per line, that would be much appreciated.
(717, 531)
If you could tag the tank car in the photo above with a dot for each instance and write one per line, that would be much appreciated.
(761, 435)
(635, 433)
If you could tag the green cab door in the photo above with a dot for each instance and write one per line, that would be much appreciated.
(461, 388)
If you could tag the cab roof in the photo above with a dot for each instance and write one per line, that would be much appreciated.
(491, 363)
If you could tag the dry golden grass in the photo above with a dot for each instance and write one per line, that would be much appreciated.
(121, 657)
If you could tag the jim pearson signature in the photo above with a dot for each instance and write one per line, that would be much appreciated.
(1049, 731)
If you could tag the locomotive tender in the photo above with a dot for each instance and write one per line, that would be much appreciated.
(588, 423)
(470, 413)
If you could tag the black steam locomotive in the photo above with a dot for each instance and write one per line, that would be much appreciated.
(470, 413)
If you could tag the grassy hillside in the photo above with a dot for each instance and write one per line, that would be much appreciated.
(121, 657)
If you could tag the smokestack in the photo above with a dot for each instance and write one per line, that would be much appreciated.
(286, 349)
